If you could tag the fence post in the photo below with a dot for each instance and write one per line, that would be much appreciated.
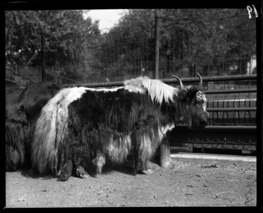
(157, 45)
(43, 73)
(164, 158)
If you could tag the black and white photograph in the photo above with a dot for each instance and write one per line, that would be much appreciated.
(141, 107)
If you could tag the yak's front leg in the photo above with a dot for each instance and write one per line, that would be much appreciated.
(144, 155)
(65, 163)
(145, 142)
(99, 162)
(135, 152)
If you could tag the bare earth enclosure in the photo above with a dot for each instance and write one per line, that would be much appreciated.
(185, 183)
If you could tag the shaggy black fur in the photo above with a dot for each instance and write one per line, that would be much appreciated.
(100, 119)
(22, 110)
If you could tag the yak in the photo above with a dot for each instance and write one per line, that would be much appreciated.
(22, 110)
(112, 124)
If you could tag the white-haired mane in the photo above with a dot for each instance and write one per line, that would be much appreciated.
(157, 90)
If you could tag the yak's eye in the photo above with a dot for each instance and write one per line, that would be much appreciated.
(20, 111)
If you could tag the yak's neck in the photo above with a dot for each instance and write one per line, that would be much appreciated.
(173, 112)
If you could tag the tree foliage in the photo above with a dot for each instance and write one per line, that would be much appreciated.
(187, 36)
(65, 32)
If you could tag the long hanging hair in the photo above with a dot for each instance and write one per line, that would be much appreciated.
(156, 89)
(50, 128)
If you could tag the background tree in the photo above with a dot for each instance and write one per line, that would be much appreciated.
(66, 35)
(190, 40)
(210, 41)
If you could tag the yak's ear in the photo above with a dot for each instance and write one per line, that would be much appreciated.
(21, 109)
(94, 161)
(199, 96)
(22, 113)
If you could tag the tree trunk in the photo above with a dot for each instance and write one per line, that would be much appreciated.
(43, 73)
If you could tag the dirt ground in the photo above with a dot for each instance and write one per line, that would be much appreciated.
(185, 183)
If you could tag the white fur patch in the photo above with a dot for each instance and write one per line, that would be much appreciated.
(119, 148)
(51, 126)
(200, 96)
(101, 89)
(164, 129)
(99, 161)
(157, 90)
(146, 149)
(205, 102)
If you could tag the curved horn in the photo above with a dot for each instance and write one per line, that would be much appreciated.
(201, 80)
(180, 81)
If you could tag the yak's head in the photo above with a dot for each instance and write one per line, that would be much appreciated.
(35, 97)
(26, 105)
(192, 105)
(13, 109)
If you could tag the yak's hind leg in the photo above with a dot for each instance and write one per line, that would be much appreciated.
(66, 171)
(80, 153)
(65, 161)
(70, 156)
(13, 159)
(70, 165)
(15, 137)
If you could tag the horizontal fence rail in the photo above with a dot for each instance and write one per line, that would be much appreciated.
(230, 91)
(213, 78)
(231, 128)
(231, 109)
(219, 128)
(173, 81)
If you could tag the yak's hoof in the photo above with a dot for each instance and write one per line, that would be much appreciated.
(97, 174)
(146, 171)
(31, 173)
(84, 176)
(63, 178)
(47, 177)
(80, 172)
